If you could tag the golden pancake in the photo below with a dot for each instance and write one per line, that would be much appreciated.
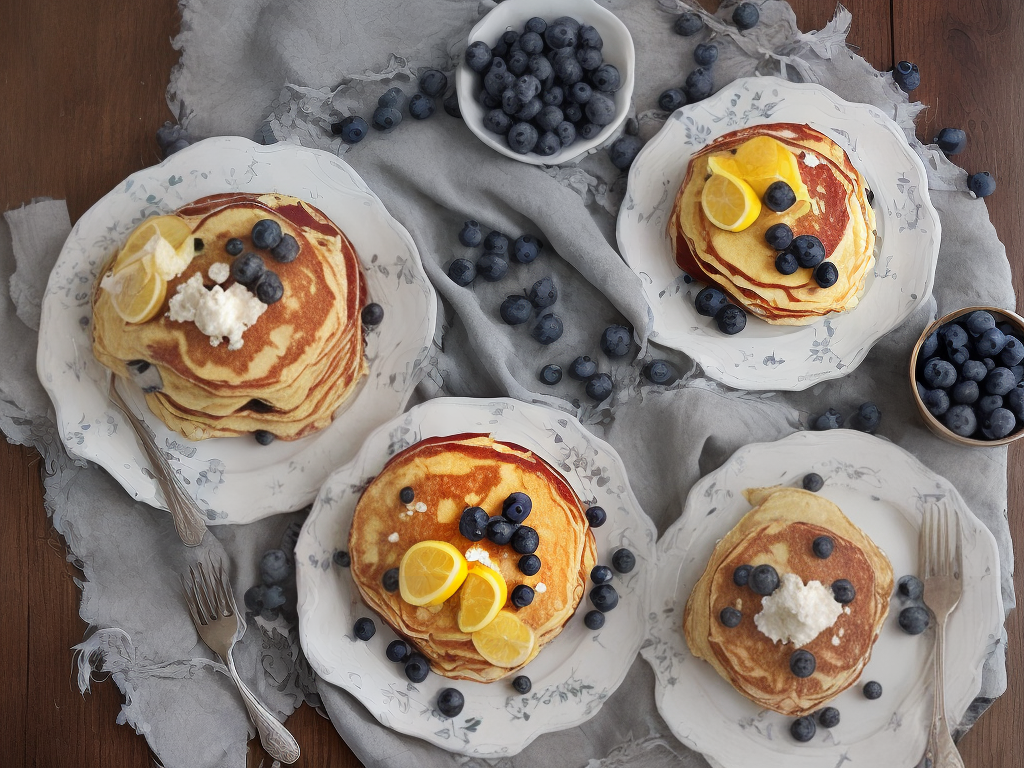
(447, 475)
(779, 532)
(298, 363)
(743, 264)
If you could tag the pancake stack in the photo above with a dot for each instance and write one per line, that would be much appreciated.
(299, 362)
(779, 532)
(743, 264)
(447, 475)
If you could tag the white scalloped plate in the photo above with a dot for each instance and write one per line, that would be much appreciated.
(883, 490)
(235, 480)
(572, 676)
(765, 356)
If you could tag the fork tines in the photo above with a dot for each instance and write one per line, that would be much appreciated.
(940, 552)
(208, 598)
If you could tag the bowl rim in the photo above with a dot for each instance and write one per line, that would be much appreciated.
(933, 423)
(506, 11)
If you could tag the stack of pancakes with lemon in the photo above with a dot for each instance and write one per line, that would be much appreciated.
(299, 361)
(780, 532)
(451, 596)
(718, 224)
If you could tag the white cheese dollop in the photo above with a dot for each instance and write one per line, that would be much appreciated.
(217, 313)
(541, 587)
(480, 555)
(219, 272)
(797, 612)
(393, 538)
(811, 160)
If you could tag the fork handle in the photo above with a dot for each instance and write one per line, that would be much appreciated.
(940, 752)
(276, 739)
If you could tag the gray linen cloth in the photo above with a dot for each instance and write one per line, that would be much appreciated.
(282, 70)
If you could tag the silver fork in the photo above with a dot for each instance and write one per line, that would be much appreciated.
(941, 555)
(212, 604)
(187, 517)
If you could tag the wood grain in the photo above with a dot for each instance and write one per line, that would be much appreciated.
(83, 92)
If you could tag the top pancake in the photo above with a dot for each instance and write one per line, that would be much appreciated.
(779, 531)
(743, 264)
(298, 362)
(448, 474)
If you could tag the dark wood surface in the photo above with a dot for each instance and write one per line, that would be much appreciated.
(81, 94)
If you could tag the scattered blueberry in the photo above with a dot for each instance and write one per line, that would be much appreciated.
(741, 576)
(274, 567)
(266, 233)
(914, 619)
(253, 598)
(269, 288)
(981, 184)
(390, 580)
(672, 99)
(616, 340)
(828, 717)
(548, 329)
(529, 565)
(417, 668)
(808, 250)
(623, 560)
(951, 141)
(843, 591)
(786, 263)
(906, 75)
(521, 596)
(872, 689)
(364, 628)
(803, 728)
(451, 105)
(698, 85)
(462, 272)
(263, 437)
(822, 547)
(779, 197)
(867, 418)
(525, 540)
(386, 118)
(593, 620)
(234, 247)
(491, 267)
(286, 250)
(731, 319)
(624, 150)
(764, 580)
(397, 651)
(543, 293)
(526, 249)
(273, 598)
(705, 54)
(582, 368)
(687, 24)
(433, 83)
(406, 495)
(604, 597)
(660, 372)
(473, 523)
(802, 663)
(499, 530)
(710, 301)
(830, 419)
(522, 684)
(421, 107)
(601, 574)
(826, 274)
(517, 507)
(910, 587)
(342, 559)
(372, 315)
(596, 516)
(247, 269)
(352, 129)
(779, 236)
(600, 387)
(730, 617)
(550, 374)
(516, 310)
(813, 482)
(745, 16)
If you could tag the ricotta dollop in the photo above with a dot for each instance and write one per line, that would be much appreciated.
(218, 313)
(796, 612)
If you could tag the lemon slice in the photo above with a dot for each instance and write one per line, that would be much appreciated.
(483, 594)
(506, 641)
(137, 292)
(729, 202)
(762, 161)
(430, 572)
(167, 240)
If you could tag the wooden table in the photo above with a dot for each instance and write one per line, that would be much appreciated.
(83, 92)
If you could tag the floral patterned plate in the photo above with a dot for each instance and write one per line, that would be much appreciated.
(235, 480)
(765, 356)
(883, 490)
(572, 676)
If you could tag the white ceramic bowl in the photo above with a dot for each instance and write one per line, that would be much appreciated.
(513, 15)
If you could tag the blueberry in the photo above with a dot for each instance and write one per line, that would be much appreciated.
(764, 580)
(462, 272)
(496, 121)
(537, 25)
(698, 85)
(843, 591)
(710, 301)
(687, 24)
(560, 36)
(822, 547)
(525, 540)
(731, 319)
(672, 99)
(1000, 381)
(390, 580)
(286, 250)
(990, 343)
(342, 559)
(604, 597)
(590, 37)
(624, 150)
(593, 620)
(234, 247)
(914, 620)
(872, 690)
(498, 63)
(176, 146)
(938, 373)
(1015, 402)
(517, 507)
(499, 530)
(998, 424)
(543, 293)
(623, 560)
(516, 310)
(531, 43)
(273, 598)
(803, 728)
(497, 81)
(548, 329)
(741, 576)
(906, 75)
(386, 118)
(550, 374)
(974, 370)
(601, 574)
(802, 663)
(826, 274)
(406, 495)
(352, 129)
(478, 56)
(582, 368)
(730, 617)
(364, 628)
(566, 133)
(867, 418)
(421, 107)
(451, 105)
(253, 598)
(600, 387)
(828, 717)
(522, 684)
(526, 249)
(606, 78)
(745, 16)
(616, 341)
(808, 250)
(548, 118)
(979, 322)
(779, 236)
(247, 269)
(936, 401)
(263, 437)
(473, 523)
(416, 668)
(596, 516)
(813, 482)
(660, 372)
(529, 565)
(527, 88)
(168, 133)
(274, 567)
(541, 68)
(521, 596)
(509, 39)
(786, 263)
(491, 267)
(573, 114)
(588, 130)
(929, 346)
(910, 587)
(269, 288)
(567, 69)
(548, 144)
(522, 137)
(266, 233)
(397, 651)
(705, 54)
(951, 141)
(1013, 352)
(958, 356)
(589, 59)
(981, 184)
(600, 109)
(470, 235)
(965, 391)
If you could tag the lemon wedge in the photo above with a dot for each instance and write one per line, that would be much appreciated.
(762, 161)
(165, 240)
(136, 291)
(483, 594)
(729, 202)
(430, 572)
(505, 642)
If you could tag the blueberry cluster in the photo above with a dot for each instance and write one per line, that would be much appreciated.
(393, 103)
(616, 341)
(969, 376)
(249, 269)
(268, 598)
(507, 529)
(867, 418)
(603, 595)
(712, 302)
(416, 665)
(914, 617)
(545, 86)
(802, 251)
